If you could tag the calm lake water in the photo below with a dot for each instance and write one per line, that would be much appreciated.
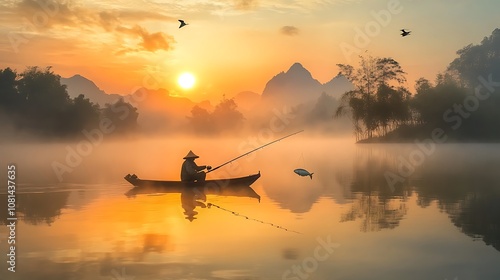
(370, 212)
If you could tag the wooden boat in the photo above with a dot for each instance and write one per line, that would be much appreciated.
(225, 187)
(241, 181)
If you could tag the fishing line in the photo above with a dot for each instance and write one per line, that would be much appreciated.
(209, 205)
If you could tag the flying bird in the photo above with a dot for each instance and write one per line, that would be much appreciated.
(405, 33)
(182, 23)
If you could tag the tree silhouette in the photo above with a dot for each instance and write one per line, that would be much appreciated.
(45, 100)
(479, 60)
(391, 108)
(122, 115)
(375, 81)
(225, 117)
(476, 64)
(82, 114)
(42, 89)
(433, 106)
(465, 100)
(430, 102)
(200, 120)
(9, 96)
(37, 102)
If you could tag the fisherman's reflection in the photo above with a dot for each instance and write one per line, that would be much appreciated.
(190, 199)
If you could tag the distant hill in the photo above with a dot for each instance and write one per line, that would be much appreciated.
(159, 100)
(78, 84)
(158, 110)
(297, 86)
(161, 112)
(337, 86)
(246, 100)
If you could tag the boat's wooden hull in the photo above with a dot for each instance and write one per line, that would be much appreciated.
(225, 187)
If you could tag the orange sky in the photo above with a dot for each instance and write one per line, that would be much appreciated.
(232, 46)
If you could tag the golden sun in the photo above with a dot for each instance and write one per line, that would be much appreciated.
(186, 80)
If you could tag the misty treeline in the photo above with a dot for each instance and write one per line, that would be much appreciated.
(463, 102)
(36, 102)
(225, 116)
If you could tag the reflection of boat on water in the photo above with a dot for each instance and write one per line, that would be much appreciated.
(225, 187)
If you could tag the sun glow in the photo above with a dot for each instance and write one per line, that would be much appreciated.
(186, 80)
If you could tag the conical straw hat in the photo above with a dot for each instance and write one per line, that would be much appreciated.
(191, 155)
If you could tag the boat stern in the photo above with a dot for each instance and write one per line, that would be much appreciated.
(132, 179)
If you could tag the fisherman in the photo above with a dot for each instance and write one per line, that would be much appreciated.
(190, 171)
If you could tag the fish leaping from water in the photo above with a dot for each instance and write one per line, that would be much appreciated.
(182, 23)
(405, 33)
(303, 172)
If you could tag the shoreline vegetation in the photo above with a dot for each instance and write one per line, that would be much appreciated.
(397, 139)
(34, 103)
(463, 102)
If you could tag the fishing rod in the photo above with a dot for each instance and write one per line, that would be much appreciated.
(213, 169)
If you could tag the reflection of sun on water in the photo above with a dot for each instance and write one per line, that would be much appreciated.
(186, 80)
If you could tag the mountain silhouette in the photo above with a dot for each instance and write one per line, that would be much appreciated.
(78, 84)
(337, 86)
(294, 86)
(159, 111)
(297, 85)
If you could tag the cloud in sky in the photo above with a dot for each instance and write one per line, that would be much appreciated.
(51, 15)
(245, 4)
(150, 41)
(237, 7)
(47, 14)
(78, 33)
(289, 30)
